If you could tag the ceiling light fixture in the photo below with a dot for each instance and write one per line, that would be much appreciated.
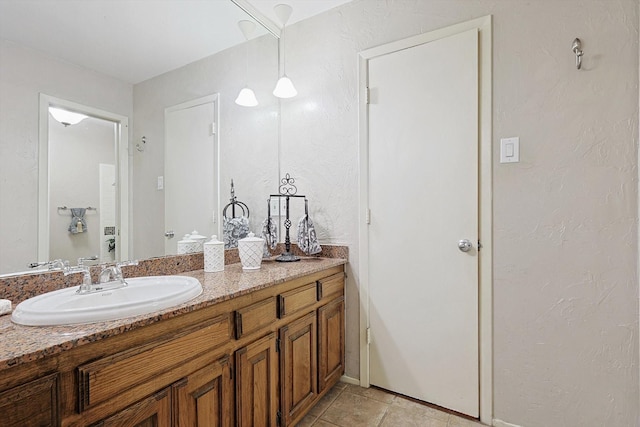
(246, 97)
(284, 88)
(66, 117)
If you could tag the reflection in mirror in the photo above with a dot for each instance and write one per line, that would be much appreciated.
(191, 170)
(84, 183)
(248, 141)
(78, 69)
(235, 220)
(82, 189)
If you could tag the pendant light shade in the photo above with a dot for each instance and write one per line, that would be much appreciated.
(66, 117)
(247, 98)
(284, 88)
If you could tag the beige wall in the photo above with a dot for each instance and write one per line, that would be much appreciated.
(565, 234)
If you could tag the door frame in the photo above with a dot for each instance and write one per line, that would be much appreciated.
(485, 222)
(121, 138)
(215, 100)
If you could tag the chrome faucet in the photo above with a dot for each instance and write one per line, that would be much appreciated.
(56, 264)
(86, 286)
(81, 260)
(111, 277)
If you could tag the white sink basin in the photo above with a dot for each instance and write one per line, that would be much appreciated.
(142, 295)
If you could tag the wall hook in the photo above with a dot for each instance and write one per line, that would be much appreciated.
(140, 145)
(576, 47)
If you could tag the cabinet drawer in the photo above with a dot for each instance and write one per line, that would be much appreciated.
(331, 287)
(250, 319)
(32, 404)
(296, 299)
(110, 376)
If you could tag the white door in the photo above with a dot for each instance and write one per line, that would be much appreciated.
(423, 198)
(190, 175)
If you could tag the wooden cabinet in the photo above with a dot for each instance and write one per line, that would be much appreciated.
(32, 404)
(257, 384)
(330, 343)
(154, 411)
(261, 359)
(298, 367)
(203, 399)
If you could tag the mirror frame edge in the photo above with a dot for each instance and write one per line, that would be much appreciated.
(122, 156)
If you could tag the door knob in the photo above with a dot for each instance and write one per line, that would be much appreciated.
(465, 245)
(169, 234)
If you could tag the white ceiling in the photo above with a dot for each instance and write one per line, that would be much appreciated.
(134, 40)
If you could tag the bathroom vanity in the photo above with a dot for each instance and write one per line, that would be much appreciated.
(255, 349)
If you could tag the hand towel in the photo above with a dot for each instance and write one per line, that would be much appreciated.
(78, 224)
(5, 306)
(307, 240)
(270, 236)
(234, 229)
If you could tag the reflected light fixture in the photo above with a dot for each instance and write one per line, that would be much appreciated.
(246, 97)
(284, 87)
(66, 117)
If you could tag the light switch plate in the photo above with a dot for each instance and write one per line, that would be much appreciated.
(510, 150)
(278, 206)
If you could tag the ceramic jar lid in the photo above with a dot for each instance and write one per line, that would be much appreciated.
(214, 241)
(197, 237)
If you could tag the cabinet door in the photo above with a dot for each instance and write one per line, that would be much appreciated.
(203, 398)
(154, 411)
(257, 383)
(31, 404)
(298, 367)
(330, 343)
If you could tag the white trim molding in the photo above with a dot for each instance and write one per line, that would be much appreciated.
(500, 423)
(484, 27)
(349, 380)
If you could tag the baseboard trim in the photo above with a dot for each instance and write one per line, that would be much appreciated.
(500, 423)
(349, 380)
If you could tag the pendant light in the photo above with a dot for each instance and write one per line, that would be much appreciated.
(66, 117)
(284, 87)
(246, 97)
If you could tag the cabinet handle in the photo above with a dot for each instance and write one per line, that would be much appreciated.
(281, 310)
(319, 289)
(238, 325)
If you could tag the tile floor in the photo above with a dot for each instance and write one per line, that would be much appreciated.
(347, 405)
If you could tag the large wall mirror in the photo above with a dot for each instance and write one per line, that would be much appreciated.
(32, 187)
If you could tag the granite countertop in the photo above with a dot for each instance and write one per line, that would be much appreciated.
(22, 344)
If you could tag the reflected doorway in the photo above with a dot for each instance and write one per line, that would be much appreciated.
(83, 183)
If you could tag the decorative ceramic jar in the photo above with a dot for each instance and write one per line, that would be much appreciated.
(213, 255)
(199, 239)
(250, 249)
(187, 245)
